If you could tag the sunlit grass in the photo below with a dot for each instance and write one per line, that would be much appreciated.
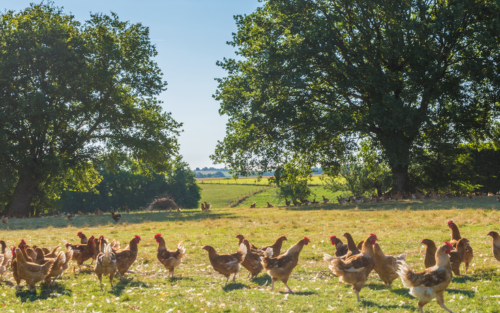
(196, 288)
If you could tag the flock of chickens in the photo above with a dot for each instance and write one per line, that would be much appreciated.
(352, 263)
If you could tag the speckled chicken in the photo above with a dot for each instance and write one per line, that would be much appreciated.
(169, 258)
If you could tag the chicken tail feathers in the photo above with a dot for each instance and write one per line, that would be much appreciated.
(181, 250)
(328, 257)
(107, 254)
(48, 266)
(405, 273)
(269, 252)
(242, 250)
(69, 255)
(401, 257)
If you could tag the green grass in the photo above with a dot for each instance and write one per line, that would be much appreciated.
(400, 227)
(220, 196)
(315, 180)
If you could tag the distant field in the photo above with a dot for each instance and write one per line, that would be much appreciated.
(400, 226)
(315, 180)
(220, 196)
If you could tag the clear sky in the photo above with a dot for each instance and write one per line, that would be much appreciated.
(190, 36)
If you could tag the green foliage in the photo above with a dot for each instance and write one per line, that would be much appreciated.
(314, 76)
(71, 94)
(292, 190)
(123, 187)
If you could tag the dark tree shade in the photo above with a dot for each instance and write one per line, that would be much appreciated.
(315, 76)
(71, 93)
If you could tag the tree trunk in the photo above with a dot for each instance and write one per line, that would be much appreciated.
(401, 178)
(26, 189)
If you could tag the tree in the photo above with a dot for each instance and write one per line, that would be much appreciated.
(316, 76)
(71, 93)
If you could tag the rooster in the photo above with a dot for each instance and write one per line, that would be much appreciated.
(106, 264)
(227, 264)
(116, 217)
(431, 282)
(455, 237)
(280, 267)
(355, 269)
(169, 258)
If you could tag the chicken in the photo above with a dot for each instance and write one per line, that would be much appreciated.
(13, 266)
(252, 246)
(71, 216)
(127, 210)
(269, 205)
(431, 282)
(325, 200)
(385, 265)
(227, 264)
(281, 266)
(455, 237)
(5, 258)
(83, 238)
(252, 206)
(106, 264)
(351, 247)
(32, 273)
(340, 247)
(430, 253)
(82, 253)
(276, 246)
(126, 257)
(58, 267)
(169, 258)
(356, 268)
(202, 206)
(5, 220)
(287, 203)
(314, 201)
(253, 260)
(179, 209)
(116, 217)
(98, 212)
(496, 244)
(457, 256)
(208, 205)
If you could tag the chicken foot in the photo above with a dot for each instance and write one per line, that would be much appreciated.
(440, 301)
(289, 289)
(357, 295)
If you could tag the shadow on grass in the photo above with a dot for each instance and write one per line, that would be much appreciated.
(262, 280)
(462, 279)
(388, 307)
(133, 218)
(468, 293)
(402, 292)
(42, 292)
(233, 286)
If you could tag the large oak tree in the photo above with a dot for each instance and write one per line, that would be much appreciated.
(315, 76)
(72, 93)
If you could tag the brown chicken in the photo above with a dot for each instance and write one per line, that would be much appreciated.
(457, 256)
(169, 258)
(496, 244)
(276, 246)
(352, 249)
(240, 241)
(431, 282)
(455, 237)
(105, 264)
(280, 267)
(269, 205)
(253, 260)
(83, 238)
(355, 269)
(82, 253)
(116, 217)
(340, 247)
(227, 264)
(32, 273)
(430, 253)
(13, 266)
(57, 269)
(5, 258)
(126, 257)
(386, 266)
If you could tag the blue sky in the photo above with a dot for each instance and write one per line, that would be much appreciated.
(190, 36)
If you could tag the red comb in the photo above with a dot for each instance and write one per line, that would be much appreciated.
(374, 235)
(22, 240)
(156, 236)
(449, 244)
(333, 237)
(138, 237)
(14, 249)
(101, 237)
(449, 222)
(307, 239)
(79, 233)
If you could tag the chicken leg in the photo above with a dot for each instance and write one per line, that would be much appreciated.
(289, 289)
(234, 277)
(227, 279)
(357, 295)
(440, 301)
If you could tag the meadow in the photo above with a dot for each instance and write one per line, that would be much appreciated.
(400, 226)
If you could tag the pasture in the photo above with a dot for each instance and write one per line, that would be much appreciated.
(400, 227)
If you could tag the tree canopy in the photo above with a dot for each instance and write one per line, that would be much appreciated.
(314, 77)
(71, 93)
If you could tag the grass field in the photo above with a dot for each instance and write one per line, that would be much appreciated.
(315, 180)
(400, 227)
(219, 196)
